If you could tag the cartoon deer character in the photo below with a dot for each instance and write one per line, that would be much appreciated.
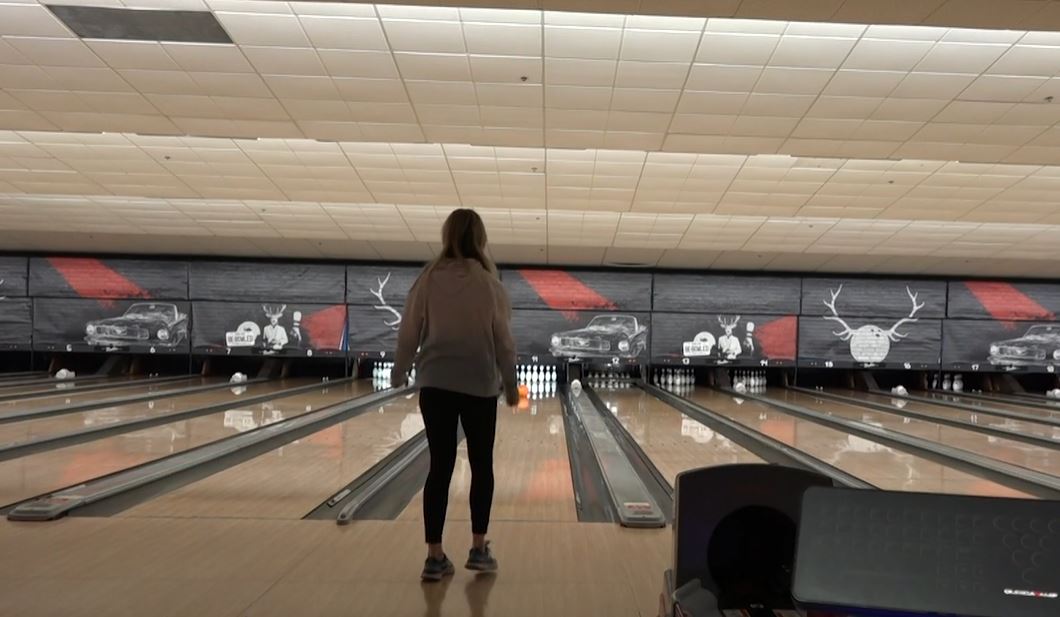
(728, 343)
(870, 344)
(274, 335)
(394, 323)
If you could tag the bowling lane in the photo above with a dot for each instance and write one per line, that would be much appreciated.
(941, 411)
(44, 472)
(69, 398)
(873, 462)
(531, 469)
(996, 403)
(69, 422)
(51, 383)
(292, 480)
(1015, 452)
(673, 441)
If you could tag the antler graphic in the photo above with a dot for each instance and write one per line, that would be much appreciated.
(893, 332)
(1, 285)
(728, 323)
(847, 332)
(383, 306)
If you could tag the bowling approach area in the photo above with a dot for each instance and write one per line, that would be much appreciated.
(782, 277)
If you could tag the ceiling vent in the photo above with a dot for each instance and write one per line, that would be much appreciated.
(91, 22)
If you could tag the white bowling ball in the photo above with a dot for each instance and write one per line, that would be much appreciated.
(1056, 393)
(740, 387)
(237, 378)
(62, 374)
(901, 391)
(576, 387)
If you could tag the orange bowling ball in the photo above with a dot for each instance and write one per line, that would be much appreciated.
(523, 391)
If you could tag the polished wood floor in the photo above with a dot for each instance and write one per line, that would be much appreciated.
(237, 567)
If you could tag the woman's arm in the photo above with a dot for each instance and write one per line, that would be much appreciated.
(409, 333)
(504, 346)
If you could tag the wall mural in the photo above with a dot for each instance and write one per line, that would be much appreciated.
(16, 323)
(371, 332)
(269, 329)
(719, 294)
(380, 285)
(267, 282)
(723, 340)
(875, 297)
(113, 279)
(111, 325)
(578, 290)
(1003, 301)
(549, 336)
(981, 345)
(13, 277)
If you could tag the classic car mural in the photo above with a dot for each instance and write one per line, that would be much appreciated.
(142, 323)
(620, 336)
(1039, 345)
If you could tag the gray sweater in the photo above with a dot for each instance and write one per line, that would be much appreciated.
(456, 328)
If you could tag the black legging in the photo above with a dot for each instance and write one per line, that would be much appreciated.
(478, 415)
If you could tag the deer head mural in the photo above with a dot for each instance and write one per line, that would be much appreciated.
(394, 323)
(870, 344)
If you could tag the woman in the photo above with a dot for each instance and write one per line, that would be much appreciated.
(456, 327)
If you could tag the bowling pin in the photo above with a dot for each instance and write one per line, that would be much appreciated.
(946, 383)
(958, 383)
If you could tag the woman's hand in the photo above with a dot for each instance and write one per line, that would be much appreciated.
(511, 397)
(398, 380)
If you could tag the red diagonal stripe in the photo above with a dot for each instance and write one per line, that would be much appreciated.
(325, 327)
(91, 278)
(562, 291)
(1005, 302)
(777, 338)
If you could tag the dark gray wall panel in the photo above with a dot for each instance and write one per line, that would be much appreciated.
(111, 325)
(16, 323)
(578, 289)
(874, 297)
(534, 331)
(372, 332)
(365, 284)
(302, 329)
(88, 277)
(1001, 345)
(1004, 301)
(724, 294)
(868, 343)
(755, 340)
(268, 282)
(13, 276)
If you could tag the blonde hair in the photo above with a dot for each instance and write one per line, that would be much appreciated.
(464, 237)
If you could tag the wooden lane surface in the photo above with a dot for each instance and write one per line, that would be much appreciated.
(673, 441)
(1006, 405)
(261, 568)
(532, 477)
(68, 422)
(71, 397)
(44, 472)
(292, 480)
(1014, 452)
(975, 417)
(51, 383)
(873, 462)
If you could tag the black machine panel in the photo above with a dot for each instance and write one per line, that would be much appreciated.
(137, 326)
(1001, 301)
(13, 276)
(269, 329)
(87, 277)
(726, 294)
(548, 336)
(578, 290)
(16, 324)
(874, 297)
(268, 282)
(730, 340)
(864, 342)
(898, 553)
(373, 332)
(986, 345)
(379, 285)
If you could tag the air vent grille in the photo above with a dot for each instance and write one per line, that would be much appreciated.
(91, 22)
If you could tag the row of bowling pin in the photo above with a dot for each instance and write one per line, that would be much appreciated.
(535, 373)
(680, 389)
(954, 382)
(609, 379)
(750, 379)
(674, 377)
(540, 389)
(381, 373)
